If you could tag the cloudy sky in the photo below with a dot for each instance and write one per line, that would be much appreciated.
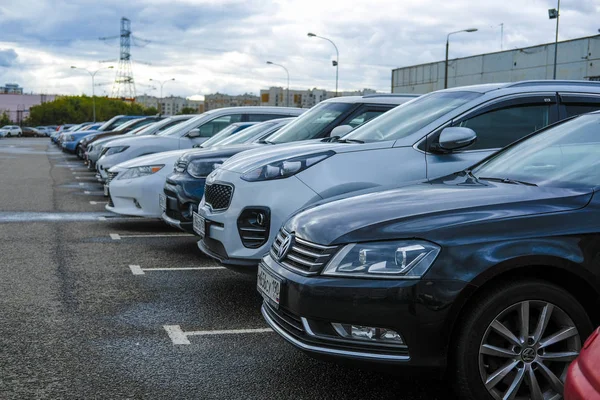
(223, 45)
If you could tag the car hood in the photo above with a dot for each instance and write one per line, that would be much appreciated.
(167, 158)
(216, 151)
(145, 140)
(252, 159)
(433, 211)
(104, 140)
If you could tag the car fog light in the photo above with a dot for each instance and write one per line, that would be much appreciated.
(260, 219)
(368, 333)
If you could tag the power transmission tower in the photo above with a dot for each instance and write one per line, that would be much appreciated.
(124, 85)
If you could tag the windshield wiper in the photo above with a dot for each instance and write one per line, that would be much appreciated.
(506, 180)
(331, 139)
(349, 141)
(264, 141)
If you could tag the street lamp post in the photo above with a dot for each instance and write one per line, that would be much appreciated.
(287, 96)
(447, 47)
(335, 63)
(93, 75)
(554, 13)
(161, 92)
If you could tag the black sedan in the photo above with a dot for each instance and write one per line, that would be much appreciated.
(491, 275)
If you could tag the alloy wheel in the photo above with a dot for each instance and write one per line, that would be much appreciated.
(526, 351)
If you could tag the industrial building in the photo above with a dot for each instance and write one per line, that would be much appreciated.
(577, 59)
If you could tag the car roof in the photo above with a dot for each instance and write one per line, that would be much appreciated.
(532, 85)
(253, 109)
(377, 98)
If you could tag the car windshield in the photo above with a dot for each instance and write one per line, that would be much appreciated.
(222, 135)
(250, 133)
(311, 124)
(409, 117)
(565, 156)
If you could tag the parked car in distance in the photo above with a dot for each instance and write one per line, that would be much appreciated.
(32, 132)
(10, 131)
(490, 274)
(429, 137)
(95, 146)
(583, 377)
(185, 136)
(183, 190)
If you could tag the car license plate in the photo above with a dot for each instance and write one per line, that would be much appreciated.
(105, 190)
(268, 286)
(162, 202)
(199, 224)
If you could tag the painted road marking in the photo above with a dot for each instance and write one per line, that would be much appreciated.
(137, 270)
(116, 236)
(86, 192)
(98, 202)
(74, 173)
(81, 184)
(178, 336)
(101, 218)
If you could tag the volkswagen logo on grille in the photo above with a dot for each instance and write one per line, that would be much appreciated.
(285, 247)
(528, 355)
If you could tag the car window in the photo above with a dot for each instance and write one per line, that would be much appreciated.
(264, 117)
(364, 117)
(216, 125)
(498, 128)
(574, 109)
(565, 156)
(410, 117)
(250, 133)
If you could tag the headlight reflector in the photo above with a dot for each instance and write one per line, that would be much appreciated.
(114, 150)
(285, 168)
(137, 172)
(201, 168)
(408, 259)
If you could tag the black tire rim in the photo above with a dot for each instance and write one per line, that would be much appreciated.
(526, 351)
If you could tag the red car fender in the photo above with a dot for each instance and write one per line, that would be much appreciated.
(583, 377)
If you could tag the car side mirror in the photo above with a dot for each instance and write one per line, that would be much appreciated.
(456, 137)
(194, 133)
(340, 130)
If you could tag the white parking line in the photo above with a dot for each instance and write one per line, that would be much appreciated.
(74, 173)
(137, 270)
(178, 336)
(81, 184)
(101, 218)
(86, 192)
(98, 202)
(116, 236)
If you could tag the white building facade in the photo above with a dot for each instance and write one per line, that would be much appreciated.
(276, 96)
(577, 59)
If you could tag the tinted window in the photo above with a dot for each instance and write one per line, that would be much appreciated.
(565, 155)
(217, 124)
(312, 124)
(263, 117)
(499, 128)
(577, 109)
(364, 117)
(409, 117)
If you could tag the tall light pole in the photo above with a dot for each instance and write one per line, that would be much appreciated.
(93, 74)
(447, 47)
(161, 88)
(335, 63)
(287, 96)
(554, 13)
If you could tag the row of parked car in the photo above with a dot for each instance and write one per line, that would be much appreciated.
(458, 230)
(28, 131)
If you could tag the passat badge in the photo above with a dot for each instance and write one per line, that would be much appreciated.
(285, 247)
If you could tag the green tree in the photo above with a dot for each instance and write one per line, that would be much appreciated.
(150, 111)
(188, 110)
(78, 109)
(4, 119)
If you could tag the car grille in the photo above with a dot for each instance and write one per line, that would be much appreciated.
(111, 176)
(218, 196)
(180, 166)
(304, 256)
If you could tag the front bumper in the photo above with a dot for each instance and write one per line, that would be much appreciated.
(279, 199)
(183, 193)
(69, 146)
(417, 309)
(137, 197)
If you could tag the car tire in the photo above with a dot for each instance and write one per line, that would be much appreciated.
(477, 357)
(79, 153)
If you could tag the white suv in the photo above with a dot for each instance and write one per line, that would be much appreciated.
(248, 198)
(10, 130)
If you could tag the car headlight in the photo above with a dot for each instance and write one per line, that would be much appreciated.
(405, 259)
(114, 150)
(69, 138)
(138, 172)
(203, 167)
(285, 168)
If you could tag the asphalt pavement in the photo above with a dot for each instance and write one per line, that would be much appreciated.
(99, 306)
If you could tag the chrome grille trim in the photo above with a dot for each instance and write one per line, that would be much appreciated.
(304, 257)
